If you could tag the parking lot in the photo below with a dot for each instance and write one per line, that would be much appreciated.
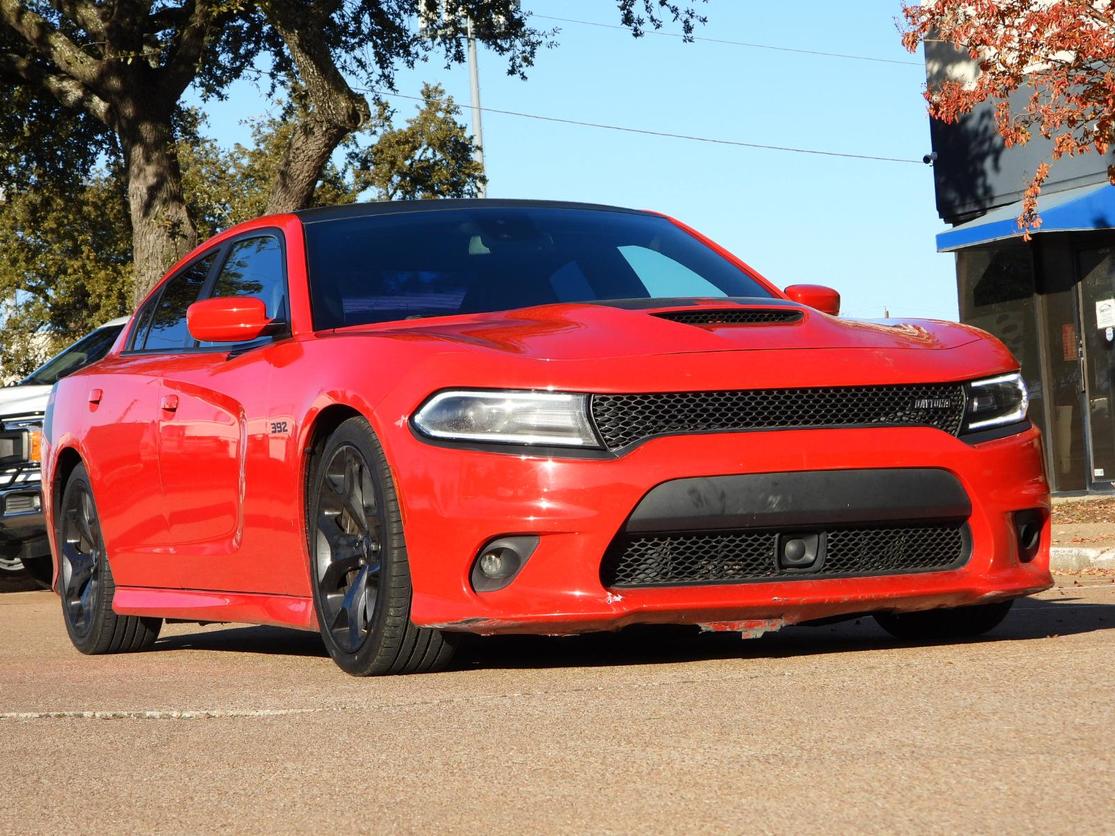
(833, 728)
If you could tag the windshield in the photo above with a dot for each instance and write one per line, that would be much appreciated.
(381, 268)
(89, 349)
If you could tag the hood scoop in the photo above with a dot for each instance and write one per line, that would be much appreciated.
(733, 316)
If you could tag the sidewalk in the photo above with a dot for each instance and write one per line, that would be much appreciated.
(1083, 534)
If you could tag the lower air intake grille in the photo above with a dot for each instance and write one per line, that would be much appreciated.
(742, 556)
(626, 419)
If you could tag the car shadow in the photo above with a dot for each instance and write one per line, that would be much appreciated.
(280, 641)
(669, 644)
(1029, 619)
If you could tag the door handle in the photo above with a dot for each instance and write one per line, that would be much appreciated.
(95, 396)
(169, 403)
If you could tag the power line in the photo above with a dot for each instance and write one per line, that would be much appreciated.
(747, 44)
(668, 134)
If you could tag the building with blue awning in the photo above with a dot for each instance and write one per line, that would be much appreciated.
(1051, 299)
(1083, 209)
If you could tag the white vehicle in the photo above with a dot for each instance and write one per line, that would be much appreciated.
(24, 550)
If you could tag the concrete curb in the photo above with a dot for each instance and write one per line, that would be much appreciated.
(1075, 559)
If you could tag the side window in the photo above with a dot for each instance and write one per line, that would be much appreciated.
(168, 321)
(142, 323)
(254, 267)
(664, 277)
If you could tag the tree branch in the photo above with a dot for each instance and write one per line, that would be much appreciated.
(334, 110)
(66, 90)
(189, 46)
(330, 96)
(169, 17)
(49, 42)
(84, 13)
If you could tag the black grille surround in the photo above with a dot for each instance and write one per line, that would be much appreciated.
(733, 316)
(624, 420)
(749, 556)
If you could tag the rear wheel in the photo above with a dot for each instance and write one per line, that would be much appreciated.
(85, 579)
(942, 624)
(359, 562)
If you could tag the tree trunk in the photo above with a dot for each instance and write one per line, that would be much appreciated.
(333, 110)
(162, 231)
(311, 144)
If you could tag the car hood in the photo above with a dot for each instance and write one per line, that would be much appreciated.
(597, 331)
(23, 400)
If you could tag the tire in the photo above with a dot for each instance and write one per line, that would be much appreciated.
(15, 577)
(358, 562)
(945, 624)
(85, 579)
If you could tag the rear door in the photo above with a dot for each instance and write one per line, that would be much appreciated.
(122, 397)
(214, 432)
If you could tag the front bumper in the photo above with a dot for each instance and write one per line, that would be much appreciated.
(455, 501)
(22, 528)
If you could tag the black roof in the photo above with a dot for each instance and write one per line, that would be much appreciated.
(394, 207)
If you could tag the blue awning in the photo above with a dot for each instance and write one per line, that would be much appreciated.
(1073, 210)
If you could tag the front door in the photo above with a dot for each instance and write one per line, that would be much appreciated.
(215, 439)
(1097, 305)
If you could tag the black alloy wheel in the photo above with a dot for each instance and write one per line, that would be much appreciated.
(82, 554)
(358, 560)
(85, 579)
(348, 540)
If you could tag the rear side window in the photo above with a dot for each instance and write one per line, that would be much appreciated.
(143, 321)
(168, 330)
(254, 267)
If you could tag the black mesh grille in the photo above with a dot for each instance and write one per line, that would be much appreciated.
(625, 419)
(733, 316)
(741, 556)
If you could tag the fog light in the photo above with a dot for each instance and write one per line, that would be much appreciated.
(1027, 529)
(500, 560)
(498, 564)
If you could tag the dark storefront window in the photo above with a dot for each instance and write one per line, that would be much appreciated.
(1097, 318)
(996, 287)
(1064, 437)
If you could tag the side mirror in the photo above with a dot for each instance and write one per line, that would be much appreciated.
(227, 319)
(824, 299)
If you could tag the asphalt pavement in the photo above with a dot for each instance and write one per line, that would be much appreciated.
(833, 729)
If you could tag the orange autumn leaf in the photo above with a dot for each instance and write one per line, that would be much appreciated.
(1062, 51)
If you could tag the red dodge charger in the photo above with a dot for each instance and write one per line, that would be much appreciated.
(398, 422)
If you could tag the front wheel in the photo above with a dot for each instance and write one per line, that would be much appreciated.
(945, 624)
(359, 562)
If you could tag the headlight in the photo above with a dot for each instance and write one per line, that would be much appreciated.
(32, 427)
(995, 402)
(547, 418)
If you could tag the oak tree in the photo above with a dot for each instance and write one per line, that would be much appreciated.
(118, 70)
(65, 243)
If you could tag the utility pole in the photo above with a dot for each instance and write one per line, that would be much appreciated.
(449, 10)
(474, 85)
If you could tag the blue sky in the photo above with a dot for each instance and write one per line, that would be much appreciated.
(865, 227)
